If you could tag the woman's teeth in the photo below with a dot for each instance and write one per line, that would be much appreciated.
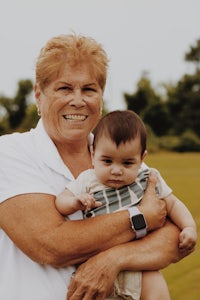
(75, 117)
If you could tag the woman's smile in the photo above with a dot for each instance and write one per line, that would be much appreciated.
(72, 117)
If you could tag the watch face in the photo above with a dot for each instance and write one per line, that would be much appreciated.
(139, 222)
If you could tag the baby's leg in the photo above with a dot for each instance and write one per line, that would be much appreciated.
(154, 286)
(127, 286)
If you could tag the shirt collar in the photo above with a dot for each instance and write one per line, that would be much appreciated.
(49, 152)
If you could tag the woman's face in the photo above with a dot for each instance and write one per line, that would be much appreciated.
(70, 105)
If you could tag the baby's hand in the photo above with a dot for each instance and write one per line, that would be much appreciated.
(187, 238)
(87, 201)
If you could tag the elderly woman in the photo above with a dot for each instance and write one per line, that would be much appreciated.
(39, 247)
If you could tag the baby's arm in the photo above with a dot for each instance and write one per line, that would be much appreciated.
(181, 216)
(67, 203)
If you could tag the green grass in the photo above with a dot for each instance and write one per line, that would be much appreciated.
(182, 173)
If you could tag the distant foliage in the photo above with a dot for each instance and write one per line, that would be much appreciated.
(193, 55)
(174, 117)
(184, 105)
(150, 106)
(17, 113)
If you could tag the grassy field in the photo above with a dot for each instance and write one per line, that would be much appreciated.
(182, 173)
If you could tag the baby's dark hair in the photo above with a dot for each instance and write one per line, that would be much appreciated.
(121, 126)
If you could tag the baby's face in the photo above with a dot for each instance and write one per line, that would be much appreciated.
(117, 166)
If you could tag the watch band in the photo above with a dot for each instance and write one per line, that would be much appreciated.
(135, 212)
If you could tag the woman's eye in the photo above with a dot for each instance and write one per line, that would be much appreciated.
(64, 88)
(89, 89)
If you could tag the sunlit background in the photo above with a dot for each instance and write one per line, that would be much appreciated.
(139, 36)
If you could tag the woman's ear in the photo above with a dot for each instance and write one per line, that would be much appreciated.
(37, 93)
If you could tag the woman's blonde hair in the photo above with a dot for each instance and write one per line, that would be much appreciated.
(74, 50)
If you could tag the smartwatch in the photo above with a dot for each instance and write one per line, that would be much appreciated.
(138, 222)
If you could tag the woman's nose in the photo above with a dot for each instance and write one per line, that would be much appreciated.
(77, 99)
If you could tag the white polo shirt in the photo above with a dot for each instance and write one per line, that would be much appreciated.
(30, 163)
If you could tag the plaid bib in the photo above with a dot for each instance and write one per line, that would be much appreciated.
(116, 199)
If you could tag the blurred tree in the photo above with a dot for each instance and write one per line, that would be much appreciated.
(184, 98)
(16, 107)
(30, 120)
(188, 141)
(149, 105)
(139, 100)
(104, 109)
(179, 110)
(17, 114)
(183, 104)
(193, 55)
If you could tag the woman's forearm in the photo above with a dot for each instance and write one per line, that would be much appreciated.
(36, 227)
(42, 233)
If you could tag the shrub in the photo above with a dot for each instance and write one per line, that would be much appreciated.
(189, 141)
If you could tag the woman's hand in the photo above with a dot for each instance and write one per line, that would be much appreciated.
(94, 279)
(153, 208)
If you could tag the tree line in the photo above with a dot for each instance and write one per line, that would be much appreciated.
(175, 117)
(172, 118)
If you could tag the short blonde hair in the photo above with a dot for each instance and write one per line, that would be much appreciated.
(75, 49)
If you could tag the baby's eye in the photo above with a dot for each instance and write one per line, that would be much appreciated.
(128, 163)
(107, 161)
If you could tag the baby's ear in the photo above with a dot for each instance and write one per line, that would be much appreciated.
(144, 155)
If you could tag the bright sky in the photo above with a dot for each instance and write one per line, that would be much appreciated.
(138, 35)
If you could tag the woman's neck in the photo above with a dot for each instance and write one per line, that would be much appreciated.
(76, 157)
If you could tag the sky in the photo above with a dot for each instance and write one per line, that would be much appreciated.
(150, 36)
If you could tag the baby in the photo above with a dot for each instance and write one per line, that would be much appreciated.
(118, 181)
